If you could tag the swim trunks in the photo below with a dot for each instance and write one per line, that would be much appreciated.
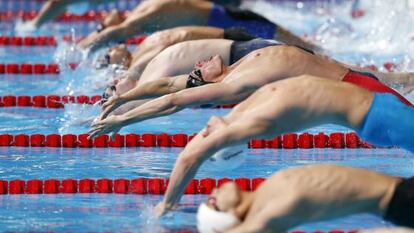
(401, 208)
(237, 34)
(227, 2)
(256, 25)
(240, 49)
(389, 122)
(370, 82)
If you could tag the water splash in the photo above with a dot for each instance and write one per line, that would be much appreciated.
(77, 118)
(22, 28)
(68, 53)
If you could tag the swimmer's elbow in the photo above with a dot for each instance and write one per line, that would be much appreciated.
(170, 104)
(188, 161)
(176, 100)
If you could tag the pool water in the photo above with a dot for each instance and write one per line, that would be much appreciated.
(371, 39)
(120, 213)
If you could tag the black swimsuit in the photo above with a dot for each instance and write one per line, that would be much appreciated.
(401, 208)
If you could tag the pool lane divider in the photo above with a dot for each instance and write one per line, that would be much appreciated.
(91, 15)
(28, 69)
(335, 140)
(56, 101)
(141, 186)
(46, 101)
(50, 40)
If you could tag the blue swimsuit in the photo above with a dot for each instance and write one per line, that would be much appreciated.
(389, 122)
(227, 17)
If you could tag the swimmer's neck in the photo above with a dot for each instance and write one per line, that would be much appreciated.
(244, 206)
(226, 71)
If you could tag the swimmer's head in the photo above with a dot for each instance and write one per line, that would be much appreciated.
(219, 212)
(118, 55)
(205, 72)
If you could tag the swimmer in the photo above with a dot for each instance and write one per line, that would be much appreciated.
(54, 8)
(213, 82)
(136, 62)
(312, 193)
(153, 15)
(293, 105)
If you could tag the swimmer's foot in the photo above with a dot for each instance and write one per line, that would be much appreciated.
(213, 124)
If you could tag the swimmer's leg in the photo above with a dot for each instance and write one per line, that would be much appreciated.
(400, 80)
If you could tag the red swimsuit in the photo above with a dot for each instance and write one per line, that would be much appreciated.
(370, 82)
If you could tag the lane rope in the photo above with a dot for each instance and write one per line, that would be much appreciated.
(155, 186)
(51, 40)
(336, 140)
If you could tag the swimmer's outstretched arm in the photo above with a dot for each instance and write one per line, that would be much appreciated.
(145, 90)
(200, 149)
(172, 103)
(53, 8)
(150, 16)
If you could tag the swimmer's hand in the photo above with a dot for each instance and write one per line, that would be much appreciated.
(161, 209)
(113, 103)
(110, 125)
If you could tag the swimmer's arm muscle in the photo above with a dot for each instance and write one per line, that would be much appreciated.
(171, 103)
(155, 88)
(200, 149)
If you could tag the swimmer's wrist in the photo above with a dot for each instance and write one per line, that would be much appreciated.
(168, 206)
(123, 99)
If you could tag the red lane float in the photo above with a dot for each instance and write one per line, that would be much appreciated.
(28, 69)
(50, 101)
(156, 186)
(286, 141)
(91, 15)
(29, 41)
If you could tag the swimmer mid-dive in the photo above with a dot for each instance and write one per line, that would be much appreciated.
(213, 82)
(153, 15)
(136, 62)
(293, 105)
(312, 193)
(54, 8)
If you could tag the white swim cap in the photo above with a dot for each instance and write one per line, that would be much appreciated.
(79, 8)
(229, 158)
(212, 221)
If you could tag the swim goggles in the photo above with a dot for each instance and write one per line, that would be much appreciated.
(195, 79)
(106, 96)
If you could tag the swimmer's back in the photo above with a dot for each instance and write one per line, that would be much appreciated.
(323, 187)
